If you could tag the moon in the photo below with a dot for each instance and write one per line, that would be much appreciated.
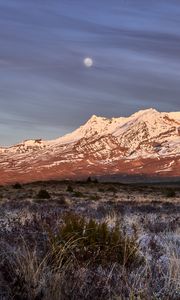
(88, 62)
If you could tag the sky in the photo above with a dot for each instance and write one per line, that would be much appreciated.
(45, 88)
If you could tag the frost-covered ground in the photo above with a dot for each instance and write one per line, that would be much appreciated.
(150, 213)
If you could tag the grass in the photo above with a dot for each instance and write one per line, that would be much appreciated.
(90, 239)
(62, 248)
(31, 276)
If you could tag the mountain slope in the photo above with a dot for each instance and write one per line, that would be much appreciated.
(147, 142)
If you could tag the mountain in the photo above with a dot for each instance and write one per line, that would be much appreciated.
(146, 143)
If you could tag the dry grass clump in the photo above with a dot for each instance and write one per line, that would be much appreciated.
(30, 277)
(80, 252)
(33, 278)
(90, 260)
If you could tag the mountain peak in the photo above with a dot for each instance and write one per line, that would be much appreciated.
(148, 111)
(95, 118)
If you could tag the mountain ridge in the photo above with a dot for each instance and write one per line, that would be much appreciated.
(174, 115)
(147, 142)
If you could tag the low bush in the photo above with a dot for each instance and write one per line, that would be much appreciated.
(43, 194)
(112, 189)
(169, 193)
(95, 197)
(17, 186)
(89, 180)
(95, 180)
(70, 189)
(78, 194)
(101, 190)
(62, 201)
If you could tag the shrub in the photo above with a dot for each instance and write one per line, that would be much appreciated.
(43, 194)
(94, 243)
(168, 205)
(70, 189)
(101, 190)
(95, 197)
(17, 186)
(78, 194)
(169, 193)
(89, 180)
(112, 189)
(95, 180)
(62, 201)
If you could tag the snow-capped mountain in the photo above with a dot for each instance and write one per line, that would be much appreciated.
(147, 142)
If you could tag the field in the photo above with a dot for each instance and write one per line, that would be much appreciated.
(90, 240)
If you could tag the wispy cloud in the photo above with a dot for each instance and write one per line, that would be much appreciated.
(135, 46)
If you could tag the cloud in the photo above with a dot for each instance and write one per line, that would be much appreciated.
(43, 83)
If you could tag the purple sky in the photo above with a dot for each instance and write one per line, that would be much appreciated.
(46, 91)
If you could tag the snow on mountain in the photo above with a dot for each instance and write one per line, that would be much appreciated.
(141, 132)
(99, 126)
(175, 115)
(147, 142)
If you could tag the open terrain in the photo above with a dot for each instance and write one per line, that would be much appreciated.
(50, 251)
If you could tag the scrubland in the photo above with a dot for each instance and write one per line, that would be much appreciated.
(89, 240)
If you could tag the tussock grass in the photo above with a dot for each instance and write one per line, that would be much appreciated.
(30, 276)
(74, 268)
(90, 239)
